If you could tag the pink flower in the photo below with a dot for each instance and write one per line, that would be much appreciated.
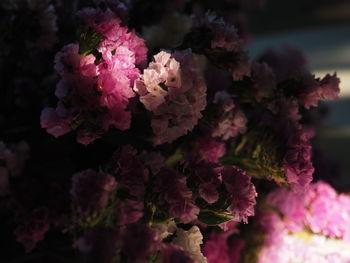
(132, 175)
(94, 94)
(215, 249)
(116, 35)
(129, 211)
(231, 121)
(211, 150)
(330, 87)
(69, 61)
(264, 81)
(53, 121)
(173, 192)
(172, 89)
(224, 37)
(241, 192)
(297, 161)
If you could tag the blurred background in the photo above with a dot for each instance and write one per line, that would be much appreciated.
(321, 28)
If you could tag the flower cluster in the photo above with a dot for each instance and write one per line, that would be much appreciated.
(179, 141)
(97, 76)
(173, 90)
(313, 227)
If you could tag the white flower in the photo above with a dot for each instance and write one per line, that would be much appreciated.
(191, 241)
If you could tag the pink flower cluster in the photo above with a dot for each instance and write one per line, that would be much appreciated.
(174, 194)
(297, 161)
(232, 120)
(313, 227)
(226, 38)
(264, 81)
(172, 88)
(316, 90)
(239, 190)
(217, 249)
(94, 93)
(320, 209)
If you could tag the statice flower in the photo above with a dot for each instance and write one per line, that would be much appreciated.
(297, 161)
(241, 192)
(90, 191)
(205, 177)
(191, 241)
(116, 35)
(165, 230)
(174, 254)
(173, 193)
(173, 90)
(305, 248)
(292, 206)
(218, 250)
(215, 249)
(320, 209)
(139, 241)
(128, 211)
(264, 81)
(94, 93)
(313, 90)
(285, 108)
(99, 245)
(227, 48)
(30, 232)
(119, 7)
(329, 213)
(210, 149)
(232, 120)
(131, 172)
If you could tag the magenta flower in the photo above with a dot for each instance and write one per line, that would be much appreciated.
(173, 193)
(94, 95)
(231, 121)
(241, 192)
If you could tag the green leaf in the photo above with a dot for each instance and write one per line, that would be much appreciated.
(89, 41)
(213, 218)
(175, 158)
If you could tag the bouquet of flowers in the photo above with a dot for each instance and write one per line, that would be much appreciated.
(187, 152)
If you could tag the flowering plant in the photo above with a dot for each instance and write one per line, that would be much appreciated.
(171, 153)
